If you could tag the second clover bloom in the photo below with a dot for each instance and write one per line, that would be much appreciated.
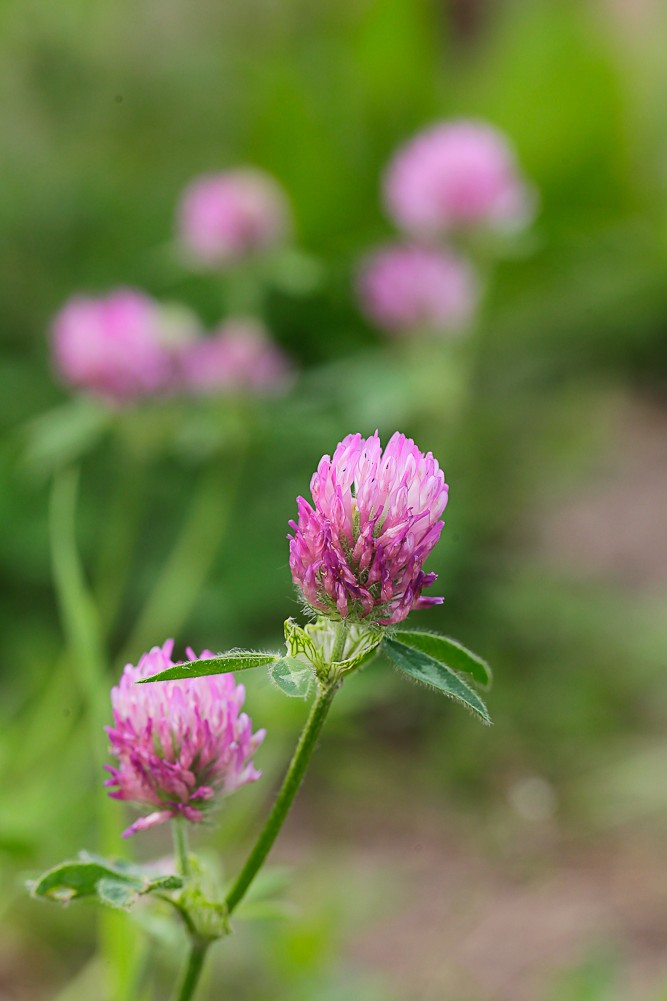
(179, 744)
(357, 552)
(412, 289)
(457, 175)
(226, 217)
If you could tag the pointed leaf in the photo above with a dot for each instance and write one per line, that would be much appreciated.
(447, 651)
(422, 667)
(91, 876)
(72, 880)
(235, 660)
(293, 677)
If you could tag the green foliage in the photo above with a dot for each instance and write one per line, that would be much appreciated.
(446, 651)
(235, 660)
(424, 667)
(115, 884)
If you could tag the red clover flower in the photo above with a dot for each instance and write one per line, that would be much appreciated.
(179, 744)
(358, 552)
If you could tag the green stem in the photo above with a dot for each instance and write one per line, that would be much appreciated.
(285, 798)
(181, 850)
(193, 970)
(119, 540)
(86, 653)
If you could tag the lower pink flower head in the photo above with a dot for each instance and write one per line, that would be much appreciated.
(112, 346)
(240, 358)
(225, 217)
(179, 744)
(457, 175)
(415, 289)
(358, 551)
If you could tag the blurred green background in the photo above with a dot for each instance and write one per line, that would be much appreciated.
(433, 859)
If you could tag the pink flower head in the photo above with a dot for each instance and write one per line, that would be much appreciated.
(179, 743)
(225, 217)
(410, 289)
(358, 553)
(457, 175)
(112, 346)
(239, 358)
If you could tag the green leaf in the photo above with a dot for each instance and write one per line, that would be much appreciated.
(235, 660)
(64, 434)
(422, 667)
(449, 652)
(293, 677)
(116, 884)
(117, 893)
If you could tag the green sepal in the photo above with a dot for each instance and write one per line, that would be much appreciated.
(234, 660)
(293, 677)
(446, 651)
(115, 884)
(315, 643)
(300, 644)
(422, 667)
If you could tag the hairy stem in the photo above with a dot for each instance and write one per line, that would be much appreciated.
(181, 849)
(285, 798)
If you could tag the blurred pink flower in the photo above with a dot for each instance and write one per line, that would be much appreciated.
(457, 175)
(413, 289)
(239, 358)
(112, 346)
(179, 744)
(358, 553)
(225, 217)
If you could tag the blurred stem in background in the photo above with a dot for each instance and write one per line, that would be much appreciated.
(172, 599)
(82, 631)
(119, 537)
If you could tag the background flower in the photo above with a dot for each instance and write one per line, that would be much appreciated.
(409, 288)
(239, 357)
(225, 217)
(457, 175)
(112, 346)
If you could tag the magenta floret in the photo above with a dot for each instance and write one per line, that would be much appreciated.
(180, 744)
(358, 552)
